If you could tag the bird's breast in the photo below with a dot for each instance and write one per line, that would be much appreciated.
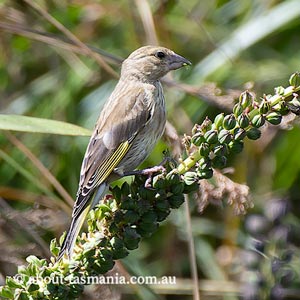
(149, 135)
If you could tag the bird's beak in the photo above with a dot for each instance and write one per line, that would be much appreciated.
(176, 61)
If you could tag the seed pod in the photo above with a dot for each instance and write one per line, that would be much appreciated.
(195, 129)
(246, 99)
(190, 178)
(274, 118)
(149, 217)
(219, 162)
(224, 136)
(147, 229)
(118, 248)
(119, 253)
(197, 138)
(144, 194)
(162, 205)
(236, 146)
(176, 200)
(158, 182)
(239, 134)
(237, 109)
(205, 174)
(211, 136)
(295, 79)
(125, 189)
(258, 121)
(279, 90)
(178, 188)
(204, 163)
(204, 149)
(229, 122)
(173, 178)
(160, 195)
(113, 228)
(127, 203)
(294, 105)
(282, 108)
(264, 107)
(253, 133)
(131, 216)
(206, 125)
(243, 120)
(118, 216)
(162, 215)
(117, 194)
(190, 188)
(219, 120)
(143, 206)
(116, 243)
(220, 150)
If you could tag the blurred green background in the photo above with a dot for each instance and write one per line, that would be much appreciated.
(234, 45)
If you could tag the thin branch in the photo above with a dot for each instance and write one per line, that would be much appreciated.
(8, 213)
(44, 171)
(73, 38)
(57, 41)
(148, 22)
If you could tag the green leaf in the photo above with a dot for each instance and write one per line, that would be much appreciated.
(37, 125)
(54, 248)
(12, 283)
(6, 292)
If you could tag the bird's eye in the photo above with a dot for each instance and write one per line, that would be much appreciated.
(160, 54)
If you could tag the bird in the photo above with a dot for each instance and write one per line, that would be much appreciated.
(129, 126)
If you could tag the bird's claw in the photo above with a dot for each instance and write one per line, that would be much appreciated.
(147, 172)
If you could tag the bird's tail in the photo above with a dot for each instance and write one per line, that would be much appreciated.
(77, 222)
(72, 233)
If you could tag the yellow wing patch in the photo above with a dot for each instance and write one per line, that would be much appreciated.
(111, 163)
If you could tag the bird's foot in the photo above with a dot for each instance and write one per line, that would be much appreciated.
(147, 172)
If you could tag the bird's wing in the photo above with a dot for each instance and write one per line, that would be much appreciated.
(111, 140)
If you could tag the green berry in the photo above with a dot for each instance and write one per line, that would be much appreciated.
(224, 136)
(211, 136)
(158, 182)
(197, 138)
(131, 238)
(246, 99)
(295, 79)
(237, 109)
(274, 118)
(204, 149)
(219, 162)
(205, 174)
(243, 120)
(219, 120)
(258, 121)
(190, 188)
(229, 122)
(239, 134)
(131, 216)
(253, 133)
(264, 107)
(282, 108)
(279, 90)
(220, 150)
(176, 200)
(236, 146)
(190, 178)
(204, 163)
(178, 188)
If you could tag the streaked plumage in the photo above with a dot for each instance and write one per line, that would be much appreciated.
(131, 122)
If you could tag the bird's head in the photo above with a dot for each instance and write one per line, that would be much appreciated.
(150, 63)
